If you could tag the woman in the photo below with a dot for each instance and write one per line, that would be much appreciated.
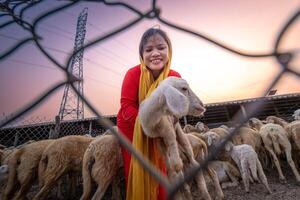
(155, 53)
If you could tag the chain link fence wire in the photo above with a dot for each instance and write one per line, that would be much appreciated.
(16, 13)
(21, 131)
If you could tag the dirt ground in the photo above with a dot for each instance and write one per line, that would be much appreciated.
(288, 191)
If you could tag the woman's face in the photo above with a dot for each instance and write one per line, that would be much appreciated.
(155, 54)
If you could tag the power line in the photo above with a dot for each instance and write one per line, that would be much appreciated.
(106, 51)
(95, 27)
(53, 68)
(69, 54)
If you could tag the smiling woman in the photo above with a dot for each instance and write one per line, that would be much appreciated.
(155, 52)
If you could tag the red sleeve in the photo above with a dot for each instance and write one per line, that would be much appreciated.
(129, 96)
(174, 73)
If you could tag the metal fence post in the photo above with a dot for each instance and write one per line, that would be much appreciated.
(16, 141)
(90, 128)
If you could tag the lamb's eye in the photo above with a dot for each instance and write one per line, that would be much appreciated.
(184, 89)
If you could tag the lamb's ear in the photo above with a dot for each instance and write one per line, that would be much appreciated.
(176, 102)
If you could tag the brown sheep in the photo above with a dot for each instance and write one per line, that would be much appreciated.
(276, 143)
(5, 155)
(292, 130)
(189, 128)
(103, 159)
(64, 155)
(101, 162)
(23, 167)
(200, 152)
(228, 174)
(199, 128)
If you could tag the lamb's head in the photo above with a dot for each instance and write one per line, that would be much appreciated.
(255, 123)
(180, 99)
(211, 138)
(201, 127)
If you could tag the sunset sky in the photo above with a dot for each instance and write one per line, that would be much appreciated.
(213, 73)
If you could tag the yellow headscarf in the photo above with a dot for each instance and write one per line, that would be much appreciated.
(141, 185)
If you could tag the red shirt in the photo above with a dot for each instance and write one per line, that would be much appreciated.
(129, 100)
(129, 111)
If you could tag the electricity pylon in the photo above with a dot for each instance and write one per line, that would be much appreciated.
(71, 106)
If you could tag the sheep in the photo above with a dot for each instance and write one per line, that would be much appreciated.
(244, 135)
(159, 117)
(215, 136)
(23, 166)
(227, 173)
(189, 128)
(201, 127)
(276, 142)
(101, 162)
(103, 159)
(246, 159)
(5, 155)
(292, 130)
(296, 114)
(221, 131)
(247, 135)
(62, 156)
(200, 151)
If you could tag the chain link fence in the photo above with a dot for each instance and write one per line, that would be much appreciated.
(19, 132)
(16, 13)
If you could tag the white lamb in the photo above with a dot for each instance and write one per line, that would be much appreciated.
(247, 161)
(159, 115)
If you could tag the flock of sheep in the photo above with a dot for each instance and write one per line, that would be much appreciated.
(98, 160)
